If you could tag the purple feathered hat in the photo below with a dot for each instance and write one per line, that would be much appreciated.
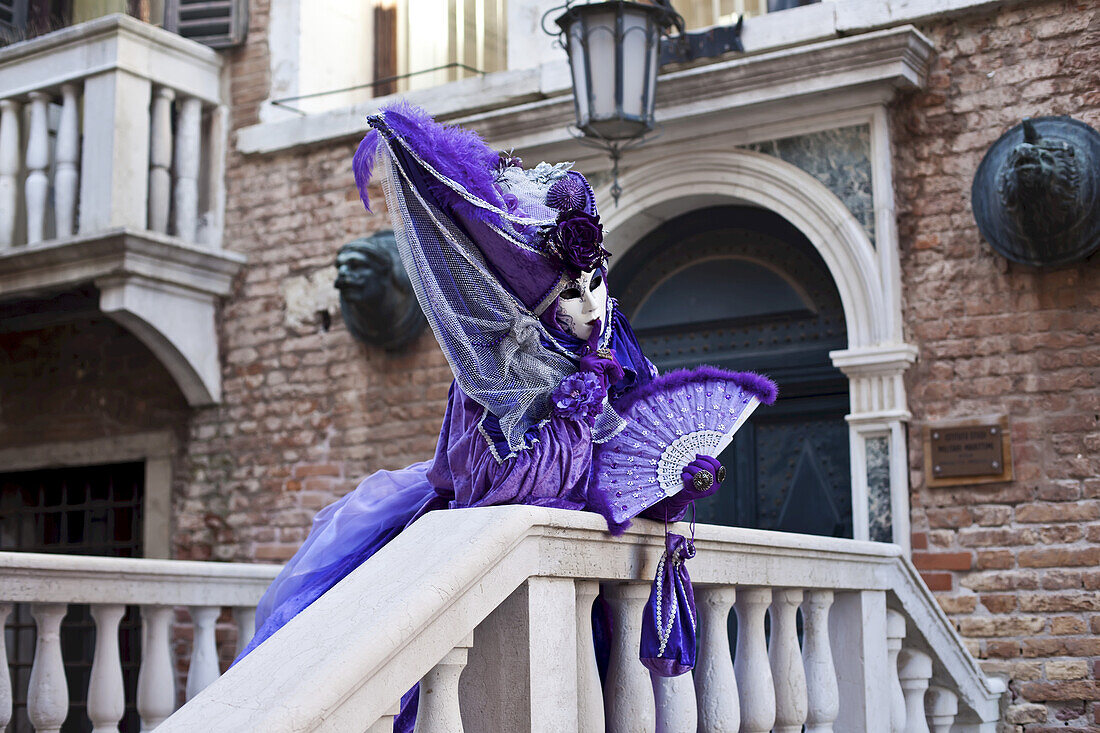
(537, 228)
(488, 247)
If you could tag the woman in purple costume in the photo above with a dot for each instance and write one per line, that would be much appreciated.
(509, 267)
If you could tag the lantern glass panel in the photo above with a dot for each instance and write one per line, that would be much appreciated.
(603, 70)
(635, 37)
(578, 58)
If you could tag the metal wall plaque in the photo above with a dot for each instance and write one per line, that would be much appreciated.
(969, 451)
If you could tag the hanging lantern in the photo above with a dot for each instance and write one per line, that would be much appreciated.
(614, 52)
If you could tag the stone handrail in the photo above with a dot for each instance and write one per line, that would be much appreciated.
(49, 583)
(502, 596)
(138, 142)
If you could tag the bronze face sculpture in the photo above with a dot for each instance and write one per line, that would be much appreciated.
(1035, 195)
(376, 297)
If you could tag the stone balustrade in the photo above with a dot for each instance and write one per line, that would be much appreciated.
(486, 606)
(112, 158)
(48, 584)
(112, 123)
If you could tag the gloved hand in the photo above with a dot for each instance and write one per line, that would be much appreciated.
(702, 477)
(603, 364)
(673, 508)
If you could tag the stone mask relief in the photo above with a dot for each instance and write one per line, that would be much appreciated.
(1035, 195)
(376, 296)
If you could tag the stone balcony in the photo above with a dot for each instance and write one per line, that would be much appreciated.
(112, 155)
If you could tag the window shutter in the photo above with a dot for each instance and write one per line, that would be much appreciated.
(13, 20)
(215, 23)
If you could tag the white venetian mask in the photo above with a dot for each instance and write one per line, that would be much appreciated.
(582, 303)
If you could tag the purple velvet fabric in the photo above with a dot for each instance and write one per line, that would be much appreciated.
(669, 619)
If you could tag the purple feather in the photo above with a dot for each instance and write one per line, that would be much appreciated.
(757, 385)
(363, 163)
(454, 152)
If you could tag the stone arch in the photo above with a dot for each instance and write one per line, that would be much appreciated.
(668, 186)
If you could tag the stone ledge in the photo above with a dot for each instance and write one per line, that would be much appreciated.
(110, 43)
(158, 287)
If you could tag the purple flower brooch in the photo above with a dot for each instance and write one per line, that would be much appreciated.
(577, 241)
(579, 396)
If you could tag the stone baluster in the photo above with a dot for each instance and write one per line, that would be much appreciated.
(916, 671)
(674, 699)
(589, 694)
(895, 632)
(156, 691)
(715, 684)
(439, 710)
(47, 691)
(245, 616)
(204, 650)
(106, 698)
(857, 631)
(9, 170)
(160, 159)
(786, 662)
(751, 666)
(943, 706)
(628, 693)
(5, 675)
(67, 155)
(822, 695)
(188, 141)
(37, 185)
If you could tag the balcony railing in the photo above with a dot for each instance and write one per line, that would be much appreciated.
(112, 155)
(490, 609)
(111, 123)
(48, 584)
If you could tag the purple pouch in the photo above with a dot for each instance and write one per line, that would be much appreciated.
(669, 619)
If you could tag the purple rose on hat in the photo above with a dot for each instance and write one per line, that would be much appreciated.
(578, 237)
(579, 397)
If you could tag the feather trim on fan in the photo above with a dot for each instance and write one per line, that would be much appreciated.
(669, 420)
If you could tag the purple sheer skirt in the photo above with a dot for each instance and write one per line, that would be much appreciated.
(343, 536)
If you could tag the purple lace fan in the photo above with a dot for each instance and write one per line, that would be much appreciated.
(669, 420)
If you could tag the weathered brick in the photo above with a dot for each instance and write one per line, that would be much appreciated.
(1000, 603)
(1067, 690)
(937, 581)
(957, 604)
(1059, 557)
(1066, 625)
(995, 560)
(1044, 512)
(1050, 602)
(1067, 669)
(949, 517)
(991, 515)
(1026, 713)
(943, 560)
(1001, 537)
(1000, 625)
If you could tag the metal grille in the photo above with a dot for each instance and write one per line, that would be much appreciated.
(92, 510)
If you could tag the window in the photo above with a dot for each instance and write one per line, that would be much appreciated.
(348, 51)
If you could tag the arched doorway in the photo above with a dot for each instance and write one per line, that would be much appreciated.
(741, 288)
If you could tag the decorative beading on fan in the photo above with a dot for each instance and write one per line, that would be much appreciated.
(682, 452)
(669, 421)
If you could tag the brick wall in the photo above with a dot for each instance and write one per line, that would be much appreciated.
(1015, 565)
